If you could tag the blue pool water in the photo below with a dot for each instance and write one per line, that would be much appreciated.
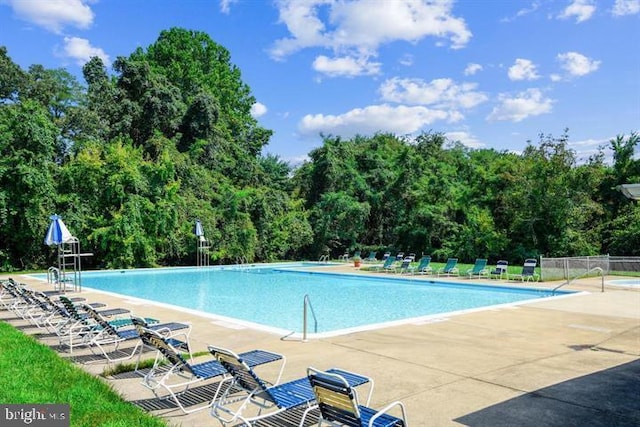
(625, 282)
(273, 297)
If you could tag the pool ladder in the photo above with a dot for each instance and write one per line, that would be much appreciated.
(324, 259)
(307, 306)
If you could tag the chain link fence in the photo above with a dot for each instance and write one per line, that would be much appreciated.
(567, 268)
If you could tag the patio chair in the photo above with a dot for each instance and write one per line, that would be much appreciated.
(109, 335)
(500, 270)
(176, 334)
(180, 375)
(371, 257)
(254, 394)
(423, 267)
(8, 293)
(479, 269)
(386, 266)
(404, 266)
(339, 405)
(76, 324)
(528, 272)
(450, 268)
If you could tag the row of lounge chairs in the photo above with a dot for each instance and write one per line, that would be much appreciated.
(242, 395)
(372, 257)
(479, 269)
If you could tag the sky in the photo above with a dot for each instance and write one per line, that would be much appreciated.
(487, 73)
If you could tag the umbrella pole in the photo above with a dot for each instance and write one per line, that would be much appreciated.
(60, 279)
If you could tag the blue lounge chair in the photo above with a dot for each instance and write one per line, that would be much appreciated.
(450, 267)
(248, 391)
(371, 257)
(179, 375)
(479, 269)
(108, 334)
(338, 404)
(528, 271)
(404, 266)
(386, 266)
(423, 267)
(77, 326)
(500, 270)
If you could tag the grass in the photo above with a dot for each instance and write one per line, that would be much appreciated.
(31, 372)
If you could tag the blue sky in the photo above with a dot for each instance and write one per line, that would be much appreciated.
(490, 74)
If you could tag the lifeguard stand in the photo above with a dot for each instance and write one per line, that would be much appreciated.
(203, 252)
(69, 270)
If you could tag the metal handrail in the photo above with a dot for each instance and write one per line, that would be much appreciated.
(307, 303)
(600, 270)
(324, 258)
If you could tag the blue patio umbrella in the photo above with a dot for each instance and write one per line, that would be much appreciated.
(57, 233)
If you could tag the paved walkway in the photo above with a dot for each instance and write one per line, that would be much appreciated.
(573, 361)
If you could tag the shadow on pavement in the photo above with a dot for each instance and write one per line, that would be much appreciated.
(606, 398)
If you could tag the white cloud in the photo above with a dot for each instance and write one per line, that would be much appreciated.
(441, 93)
(582, 10)
(592, 147)
(523, 69)
(225, 5)
(406, 60)
(295, 161)
(626, 7)
(363, 25)
(54, 15)
(81, 51)
(258, 110)
(465, 138)
(399, 120)
(472, 69)
(517, 108)
(576, 64)
(522, 12)
(345, 66)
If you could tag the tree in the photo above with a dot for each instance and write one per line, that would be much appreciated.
(27, 190)
(194, 63)
(12, 78)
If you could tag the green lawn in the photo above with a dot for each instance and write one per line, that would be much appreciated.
(31, 372)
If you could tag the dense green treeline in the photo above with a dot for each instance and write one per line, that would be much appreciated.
(440, 198)
(132, 159)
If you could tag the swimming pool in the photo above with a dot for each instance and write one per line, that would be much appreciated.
(272, 297)
(625, 282)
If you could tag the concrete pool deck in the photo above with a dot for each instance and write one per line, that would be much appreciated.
(561, 362)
